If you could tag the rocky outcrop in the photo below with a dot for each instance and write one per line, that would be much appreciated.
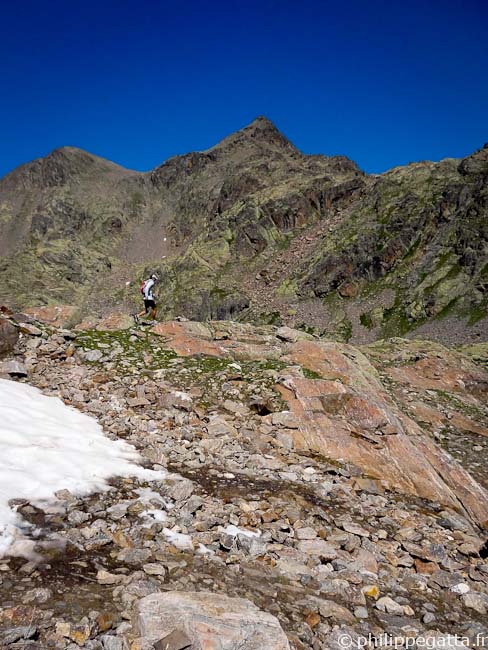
(8, 336)
(204, 620)
(346, 412)
(56, 315)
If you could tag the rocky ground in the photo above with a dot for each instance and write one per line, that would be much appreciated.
(326, 484)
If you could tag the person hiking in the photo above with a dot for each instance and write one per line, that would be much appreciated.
(150, 307)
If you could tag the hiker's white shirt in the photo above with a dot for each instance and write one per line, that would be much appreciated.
(148, 290)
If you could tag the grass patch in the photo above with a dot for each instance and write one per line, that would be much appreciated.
(366, 321)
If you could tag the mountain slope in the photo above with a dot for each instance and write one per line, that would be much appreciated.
(254, 229)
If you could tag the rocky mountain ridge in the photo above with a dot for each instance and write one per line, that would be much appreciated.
(255, 230)
(312, 487)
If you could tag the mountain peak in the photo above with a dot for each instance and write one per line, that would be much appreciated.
(261, 132)
(262, 122)
(62, 165)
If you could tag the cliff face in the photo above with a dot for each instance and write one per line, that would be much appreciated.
(253, 229)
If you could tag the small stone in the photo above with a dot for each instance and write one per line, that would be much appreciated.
(305, 533)
(80, 634)
(105, 621)
(475, 601)
(318, 547)
(32, 330)
(77, 517)
(14, 634)
(361, 612)
(181, 490)
(428, 618)
(312, 619)
(37, 596)
(117, 511)
(63, 629)
(460, 588)
(106, 578)
(93, 355)
(194, 503)
(330, 609)
(112, 642)
(355, 529)
(388, 605)
(154, 569)
(371, 591)
(237, 408)
(138, 401)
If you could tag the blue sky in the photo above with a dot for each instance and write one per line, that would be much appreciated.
(383, 82)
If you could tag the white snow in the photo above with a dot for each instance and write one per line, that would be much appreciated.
(46, 446)
(153, 515)
(146, 496)
(185, 542)
(179, 540)
(234, 530)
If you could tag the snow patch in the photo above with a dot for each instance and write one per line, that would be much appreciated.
(154, 515)
(234, 531)
(146, 496)
(179, 540)
(46, 446)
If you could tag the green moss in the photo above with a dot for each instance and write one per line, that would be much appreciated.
(271, 318)
(146, 349)
(477, 313)
(284, 242)
(366, 320)
(309, 329)
(218, 293)
(287, 289)
(395, 320)
(344, 330)
(447, 309)
(311, 374)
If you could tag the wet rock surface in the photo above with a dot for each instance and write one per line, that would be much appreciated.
(317, 543)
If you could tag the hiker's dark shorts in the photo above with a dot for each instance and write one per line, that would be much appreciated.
(149, 304)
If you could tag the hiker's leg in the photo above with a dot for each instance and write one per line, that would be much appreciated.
(147, 309)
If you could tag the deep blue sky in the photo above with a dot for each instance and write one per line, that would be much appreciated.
(380, 81)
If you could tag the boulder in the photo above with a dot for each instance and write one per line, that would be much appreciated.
(209, 621)
(31, 330)
(55, 315)
(13, 368)
(8, 336)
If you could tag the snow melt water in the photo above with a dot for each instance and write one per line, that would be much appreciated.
(46, 446)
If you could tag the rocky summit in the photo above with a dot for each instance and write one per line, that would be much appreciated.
(255, 231)
(307, 493)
